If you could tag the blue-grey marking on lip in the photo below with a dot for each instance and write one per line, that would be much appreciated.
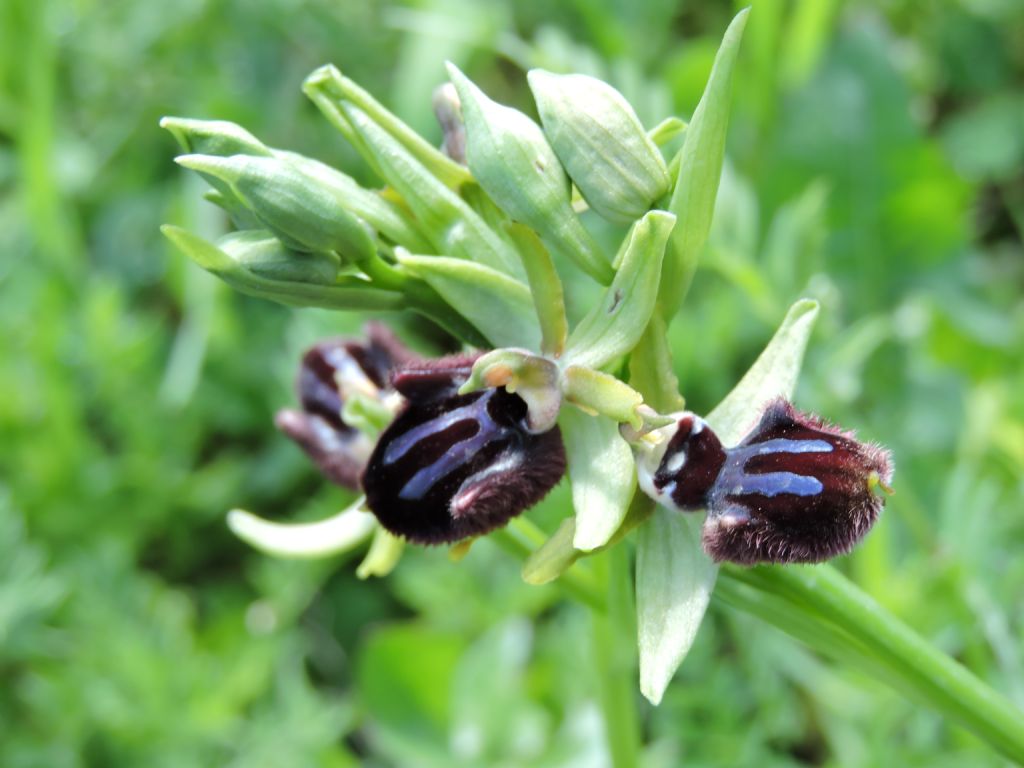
(476, 411)
(459, 453)
(774, 483)
(733, 480)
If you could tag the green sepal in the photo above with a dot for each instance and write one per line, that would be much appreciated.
(774, 374)
(601, 144)
(602, 474)
(545, 286)
(614, 326)
(258, 264)
(534, 378)
(330, 90)
(290, 203)
(498, 306)
(512, 160)
(452, 226)
(700, 168)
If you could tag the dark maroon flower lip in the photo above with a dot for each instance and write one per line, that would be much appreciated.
(454, 466)
(329, 369)
(796, 489)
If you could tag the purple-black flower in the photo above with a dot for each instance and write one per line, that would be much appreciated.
(329, 370)
(453, 466)
(794, 490)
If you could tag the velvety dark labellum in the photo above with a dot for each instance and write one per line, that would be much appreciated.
(453, 466)
(327, 370)
(794, 490)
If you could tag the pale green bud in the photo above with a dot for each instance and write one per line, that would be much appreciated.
(257, 263)
(512, 160)
(599, 140)
(262, 254)
(289, 202)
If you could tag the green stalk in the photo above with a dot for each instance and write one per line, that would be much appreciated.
(858, 624)
(614, 656)
(520, 539)
(422, 298)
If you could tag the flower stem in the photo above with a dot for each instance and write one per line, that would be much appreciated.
(859, 625)
(614, 657)
(422, 298)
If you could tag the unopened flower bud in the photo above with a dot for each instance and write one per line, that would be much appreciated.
(448, 112)
(454, 466)
(289, 202)
(329, 371)
(602, 145)
(514, 163)
(794, 490)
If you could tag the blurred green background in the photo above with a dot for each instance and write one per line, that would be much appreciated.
(876, 163)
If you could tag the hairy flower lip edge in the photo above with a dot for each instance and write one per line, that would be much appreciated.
(749, 532)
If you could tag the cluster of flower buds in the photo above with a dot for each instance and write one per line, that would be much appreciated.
(794, 490)
(448, 466)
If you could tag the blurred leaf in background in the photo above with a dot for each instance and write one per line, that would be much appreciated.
(875, 163)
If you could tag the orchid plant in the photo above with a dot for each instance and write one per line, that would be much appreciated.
(449, 449)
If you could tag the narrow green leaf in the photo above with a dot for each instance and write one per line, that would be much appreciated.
(693, 200)
(602, 474)
(613, 327)
(337, 534)
(673, 585)
(546, 287)
(452, 226)
(512, 160)
(497, 305)
(327, 87)
(674, 575)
